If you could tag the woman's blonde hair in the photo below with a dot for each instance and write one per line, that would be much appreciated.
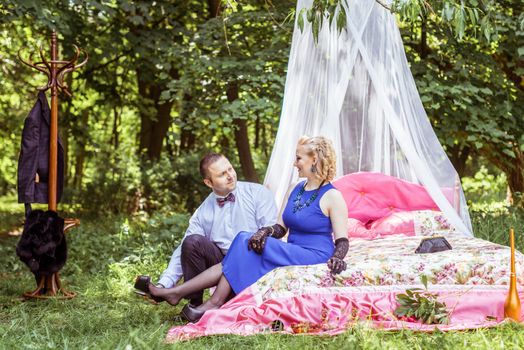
(323, 148)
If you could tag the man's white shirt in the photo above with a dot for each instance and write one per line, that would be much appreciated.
(254, 207)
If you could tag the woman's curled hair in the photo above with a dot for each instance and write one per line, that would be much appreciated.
(323, 148)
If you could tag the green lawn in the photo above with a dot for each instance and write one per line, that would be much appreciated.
(106, 253)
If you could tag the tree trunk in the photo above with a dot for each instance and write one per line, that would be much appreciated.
(155, 118)
(458, 156)
(187, 136)
(424, 38)
(242, 139)
(161, 125)
(514, 170)
(79, 168)
(115, 136)
(66, 122)
(80, 153)
(257, 132)
(264, 141)
(65, 143)
(244, 152)
(214, 8)
(241, 130)
(515, 177)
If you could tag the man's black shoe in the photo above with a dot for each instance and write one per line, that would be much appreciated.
(191, 313)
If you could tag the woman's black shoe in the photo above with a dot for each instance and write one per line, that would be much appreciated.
(142, 286)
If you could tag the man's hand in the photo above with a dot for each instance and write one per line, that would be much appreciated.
(257, 242)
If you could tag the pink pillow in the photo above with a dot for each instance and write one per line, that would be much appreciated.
(357, 229)
(395, 223)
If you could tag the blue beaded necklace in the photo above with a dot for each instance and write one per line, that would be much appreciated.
(297, 206)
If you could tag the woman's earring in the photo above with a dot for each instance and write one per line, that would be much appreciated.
(313, 168)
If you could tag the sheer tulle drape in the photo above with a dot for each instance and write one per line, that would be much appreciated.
(356, 88)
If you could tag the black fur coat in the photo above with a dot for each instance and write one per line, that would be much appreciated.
(42, 246)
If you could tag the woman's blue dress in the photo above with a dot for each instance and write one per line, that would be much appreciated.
(309, 242)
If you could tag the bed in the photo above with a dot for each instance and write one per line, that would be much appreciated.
(384, 230)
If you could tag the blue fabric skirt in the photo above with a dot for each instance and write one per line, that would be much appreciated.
(243, 267)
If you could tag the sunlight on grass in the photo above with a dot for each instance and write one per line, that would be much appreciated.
(106, 254)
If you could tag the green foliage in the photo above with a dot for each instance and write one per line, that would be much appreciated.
(457, 15)
(472, 90)
(470, 17)
(484, 188)
(422, 305)
(106, 254)
(144, 54)
(11, 215)
(214, 68)
(323, 10)
(174, 184)
(465, 58)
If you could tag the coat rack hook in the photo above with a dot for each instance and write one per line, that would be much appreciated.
(55, 70)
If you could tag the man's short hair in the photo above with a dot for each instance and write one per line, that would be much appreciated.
(206, 162)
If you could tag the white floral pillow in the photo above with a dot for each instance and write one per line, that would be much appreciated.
(431, 223)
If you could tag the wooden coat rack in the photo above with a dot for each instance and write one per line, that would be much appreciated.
(55, 70)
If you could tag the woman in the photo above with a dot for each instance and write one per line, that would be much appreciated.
(315, 211)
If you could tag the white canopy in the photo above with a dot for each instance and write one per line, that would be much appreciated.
(356, 89)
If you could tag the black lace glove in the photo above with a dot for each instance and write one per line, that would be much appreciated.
(257, 242)
(336, 263)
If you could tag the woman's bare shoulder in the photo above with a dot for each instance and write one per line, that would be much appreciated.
(334, 195)
(334, 192)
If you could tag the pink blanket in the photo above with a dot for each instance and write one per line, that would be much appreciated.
(471, 280)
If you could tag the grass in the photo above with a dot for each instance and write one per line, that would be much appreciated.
(106, 253)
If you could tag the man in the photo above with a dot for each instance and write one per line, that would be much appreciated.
(230, 208)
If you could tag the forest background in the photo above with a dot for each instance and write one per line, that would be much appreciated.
(168, 81)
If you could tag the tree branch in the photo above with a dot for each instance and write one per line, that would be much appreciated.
(105, 64)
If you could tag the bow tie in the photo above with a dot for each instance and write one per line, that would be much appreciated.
(221, 201)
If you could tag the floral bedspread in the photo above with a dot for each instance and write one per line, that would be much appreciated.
(392, 261)
(471, 279)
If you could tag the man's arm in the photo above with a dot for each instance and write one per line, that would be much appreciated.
(173, 273)
(266, 213)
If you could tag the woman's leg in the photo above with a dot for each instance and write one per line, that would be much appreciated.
(206, 279)
(219, 297)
